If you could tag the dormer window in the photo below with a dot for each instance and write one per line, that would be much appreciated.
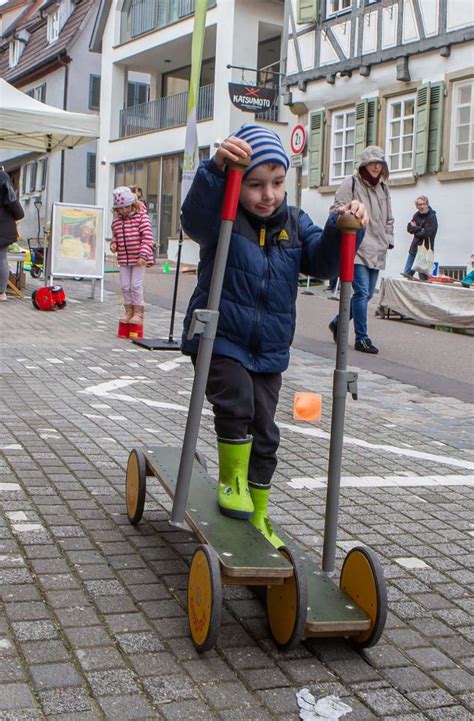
(17, 45)
(57, 16)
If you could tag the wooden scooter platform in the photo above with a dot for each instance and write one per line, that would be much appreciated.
(330, 611)
(244, 554)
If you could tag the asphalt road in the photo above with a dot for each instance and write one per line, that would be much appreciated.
(434, 360)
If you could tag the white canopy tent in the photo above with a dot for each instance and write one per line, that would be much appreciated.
(28, 125)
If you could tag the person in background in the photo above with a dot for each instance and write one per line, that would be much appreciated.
(132, 240)
(423, 226)
(138, 192)
(368, 187)
(10, 212)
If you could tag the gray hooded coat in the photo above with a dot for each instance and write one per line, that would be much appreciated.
(378, 236)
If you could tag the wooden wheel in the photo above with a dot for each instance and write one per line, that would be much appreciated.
(363, 581)
(204, 598)
(287, 605)
(135, 486)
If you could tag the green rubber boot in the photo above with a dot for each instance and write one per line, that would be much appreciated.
(233, 496)
(260, 518)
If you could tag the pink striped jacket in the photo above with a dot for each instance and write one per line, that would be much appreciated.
(133, 237)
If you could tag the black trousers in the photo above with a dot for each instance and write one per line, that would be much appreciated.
(244, 403)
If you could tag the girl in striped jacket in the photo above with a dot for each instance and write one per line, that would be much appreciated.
(132, 240)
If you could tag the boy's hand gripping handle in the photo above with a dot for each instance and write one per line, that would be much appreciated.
(348, 224)
(235, 172)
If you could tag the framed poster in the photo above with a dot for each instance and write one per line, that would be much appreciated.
(77, 241)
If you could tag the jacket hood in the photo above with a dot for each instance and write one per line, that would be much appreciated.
(4, 178)
(374, 154)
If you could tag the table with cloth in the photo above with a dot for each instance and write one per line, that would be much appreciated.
(442, 304)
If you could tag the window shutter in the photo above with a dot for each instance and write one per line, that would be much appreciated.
(435, 133)
(307, 11)
(360, 130)
(316, 149)
(372, 120)
(94, 92)
(91, 169)
(422, 119)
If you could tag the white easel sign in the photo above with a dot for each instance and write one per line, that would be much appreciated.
(77, 242)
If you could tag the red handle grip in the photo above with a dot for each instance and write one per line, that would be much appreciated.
(232, 193)
(348, 244)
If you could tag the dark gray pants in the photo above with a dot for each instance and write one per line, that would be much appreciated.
(244, 403)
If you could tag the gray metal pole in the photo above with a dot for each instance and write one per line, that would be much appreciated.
(343, 382)
(203, 363)
(339, 393)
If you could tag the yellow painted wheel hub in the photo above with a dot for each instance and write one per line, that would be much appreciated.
(286, 605)
(132, 484)
(204, 598)
(362, 580)
(135, 485)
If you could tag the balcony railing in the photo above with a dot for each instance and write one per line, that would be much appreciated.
(168, 112)
(142, 16)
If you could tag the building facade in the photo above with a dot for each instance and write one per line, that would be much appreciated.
(44, 51)
(394, 73)
(146, 63)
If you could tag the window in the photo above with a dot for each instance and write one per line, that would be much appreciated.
(137, 93)
(42, 171)
(38, 93)
(33, 167)
(338, 6)
(23, 179)
(342, 144)
(400, 133)
(15, 50)
(57, 19)
(462, 125)
(94, 92)
(91, 161)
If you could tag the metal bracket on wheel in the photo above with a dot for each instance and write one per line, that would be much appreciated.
(345, 382)
(204, 322)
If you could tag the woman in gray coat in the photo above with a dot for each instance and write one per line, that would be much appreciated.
(10, 212)
(368, 186)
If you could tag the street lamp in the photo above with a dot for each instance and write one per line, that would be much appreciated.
(38, 203)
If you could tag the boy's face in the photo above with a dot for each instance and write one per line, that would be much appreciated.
(263, 190)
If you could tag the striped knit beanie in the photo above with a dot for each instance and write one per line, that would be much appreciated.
(266, 146)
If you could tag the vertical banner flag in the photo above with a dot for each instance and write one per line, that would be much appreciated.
(191, 147)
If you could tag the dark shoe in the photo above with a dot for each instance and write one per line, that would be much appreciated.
(333, 328)
(365, 346)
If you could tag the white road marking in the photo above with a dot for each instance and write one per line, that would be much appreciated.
(107, 389)
(383, 481)
(16, 516)
(12, 447)
(348, 441)
(10, 487)
(411, 562)
(27, 527)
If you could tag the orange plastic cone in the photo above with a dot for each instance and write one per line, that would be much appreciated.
(307, 406)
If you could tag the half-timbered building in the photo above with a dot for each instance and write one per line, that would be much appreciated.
(399, 74)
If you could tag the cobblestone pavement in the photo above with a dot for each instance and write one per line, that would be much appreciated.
(92, 620)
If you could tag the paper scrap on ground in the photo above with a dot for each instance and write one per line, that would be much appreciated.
(329, 708)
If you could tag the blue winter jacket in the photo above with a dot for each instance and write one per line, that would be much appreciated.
(257, 312)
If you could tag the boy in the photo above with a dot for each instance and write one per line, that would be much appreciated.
(271, 244)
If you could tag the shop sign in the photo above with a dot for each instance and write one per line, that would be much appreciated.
(252, 99)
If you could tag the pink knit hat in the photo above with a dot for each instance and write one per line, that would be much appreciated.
(123, 196)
